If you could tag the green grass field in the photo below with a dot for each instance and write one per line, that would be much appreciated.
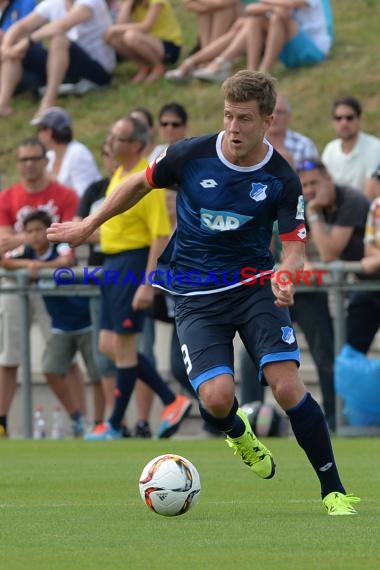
(75, 505)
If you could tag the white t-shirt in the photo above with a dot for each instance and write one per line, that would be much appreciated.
(78, 169)
(313, 20)
(354, 168)
(90, 34)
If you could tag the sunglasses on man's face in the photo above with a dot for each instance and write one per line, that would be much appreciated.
(24, 159)
(340, 118)
(173, 124)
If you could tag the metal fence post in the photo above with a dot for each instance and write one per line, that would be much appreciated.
(26, 375)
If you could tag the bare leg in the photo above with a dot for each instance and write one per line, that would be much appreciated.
(118, 45)
(76, 385)
(60, 387)
(256, 37)
(8, 387)
(143, 47)
(57, 66)
(287, 386)
(234, 49)
(281, 28)
(99, 402)
(214, 49)
(108, 384)
(222, 22)
(216, 22)
(11, 73)
(204, 28)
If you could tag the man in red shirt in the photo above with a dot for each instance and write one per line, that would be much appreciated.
(35, 190)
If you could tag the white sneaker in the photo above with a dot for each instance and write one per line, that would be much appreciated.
(63, 89)
(178, 76)
(80, 88)
(84, 86)
(205, 74)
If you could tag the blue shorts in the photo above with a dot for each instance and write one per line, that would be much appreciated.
(300, 50)
(122, 273)
(171, 52)
(81, 65)
(207, 324)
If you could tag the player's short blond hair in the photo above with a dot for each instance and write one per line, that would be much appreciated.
(248, 85)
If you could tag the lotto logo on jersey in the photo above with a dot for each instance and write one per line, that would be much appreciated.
(219, 221)
(208, 183)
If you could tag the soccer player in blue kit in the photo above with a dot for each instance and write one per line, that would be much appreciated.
(232, 186)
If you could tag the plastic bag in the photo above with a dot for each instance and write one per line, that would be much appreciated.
(357, 381)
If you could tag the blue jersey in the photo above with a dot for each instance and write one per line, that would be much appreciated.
(225, 215)
(68, 314)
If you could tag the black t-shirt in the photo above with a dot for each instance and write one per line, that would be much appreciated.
(351, 209)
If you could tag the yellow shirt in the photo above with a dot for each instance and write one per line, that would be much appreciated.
(166, 27)
(141, 225)
(372, 229)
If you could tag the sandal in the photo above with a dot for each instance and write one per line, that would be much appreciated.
(183, 73)
(141, 75)
(156, 72)
(218, 70)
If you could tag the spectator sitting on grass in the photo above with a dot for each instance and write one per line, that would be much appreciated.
(296, 32)
(214, 17)
(148, 33)
(11, 11)
(77, 50)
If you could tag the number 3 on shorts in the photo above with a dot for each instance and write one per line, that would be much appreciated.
(186, 359)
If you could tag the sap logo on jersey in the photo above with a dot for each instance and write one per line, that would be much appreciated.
(222, 221)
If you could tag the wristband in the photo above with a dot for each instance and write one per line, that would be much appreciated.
(313, 218)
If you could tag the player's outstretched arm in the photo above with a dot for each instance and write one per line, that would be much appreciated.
(122, 198)
(283, 281)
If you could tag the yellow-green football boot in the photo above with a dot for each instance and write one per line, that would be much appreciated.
(340, 504)
(252, 451)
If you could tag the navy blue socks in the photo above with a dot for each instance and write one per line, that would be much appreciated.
(311, 431)
(232, 424)
(125, 383)
(148, 374)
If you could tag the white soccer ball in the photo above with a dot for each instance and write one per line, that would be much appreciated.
(169, 485)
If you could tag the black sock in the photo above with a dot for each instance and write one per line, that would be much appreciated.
(125, 383)
(3, 422)
(148, 374)
(231, 424)
(311, 431)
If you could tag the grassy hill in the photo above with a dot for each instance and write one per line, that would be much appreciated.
(352, 69)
